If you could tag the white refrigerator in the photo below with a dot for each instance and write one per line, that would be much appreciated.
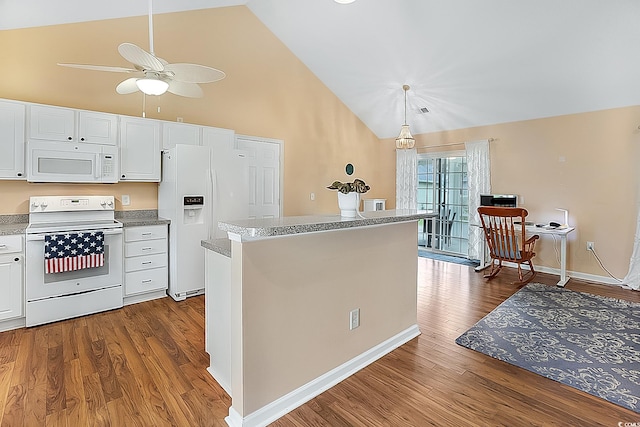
(200, 186)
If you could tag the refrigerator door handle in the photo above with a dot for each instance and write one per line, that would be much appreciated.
(212, 202)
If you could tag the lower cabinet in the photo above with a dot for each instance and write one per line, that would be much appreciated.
(11, 277)
(145, 260)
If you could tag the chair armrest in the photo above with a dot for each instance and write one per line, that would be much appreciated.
(528, 244)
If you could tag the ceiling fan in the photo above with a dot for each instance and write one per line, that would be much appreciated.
(155, 75)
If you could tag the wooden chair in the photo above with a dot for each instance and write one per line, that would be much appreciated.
(504, 231)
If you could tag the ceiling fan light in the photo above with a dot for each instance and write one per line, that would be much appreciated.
(152, 86)
(344, 1)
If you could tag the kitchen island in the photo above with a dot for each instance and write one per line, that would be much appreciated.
(304, 302)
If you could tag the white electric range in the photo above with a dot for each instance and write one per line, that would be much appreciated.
(72, 285)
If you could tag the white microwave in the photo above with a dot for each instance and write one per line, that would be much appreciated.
(52, 161)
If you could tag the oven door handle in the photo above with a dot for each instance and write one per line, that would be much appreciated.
(40, 236)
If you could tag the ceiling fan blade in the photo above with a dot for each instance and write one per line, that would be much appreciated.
(194, 73)
(99, 68)
(140, 57)
(127, 86)
(190, 90)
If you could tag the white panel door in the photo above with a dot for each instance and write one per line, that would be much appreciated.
(263, 158)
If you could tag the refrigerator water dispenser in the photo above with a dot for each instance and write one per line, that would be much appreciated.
(193, 209)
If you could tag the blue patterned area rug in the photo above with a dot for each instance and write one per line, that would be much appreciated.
(585, 341)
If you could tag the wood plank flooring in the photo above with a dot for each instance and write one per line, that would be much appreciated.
(145, 365)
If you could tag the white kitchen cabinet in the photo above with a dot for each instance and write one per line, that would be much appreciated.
(97, 128)
(12, 122)
(145, 259)
(139, 149)
(180, 133)
(11, 276)
(52, 123)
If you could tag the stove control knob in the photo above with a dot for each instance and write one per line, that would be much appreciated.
(110, 203)
(103, 203)
(44, 205)
(35, 205)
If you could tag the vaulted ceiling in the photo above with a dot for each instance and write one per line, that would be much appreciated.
(469, 62)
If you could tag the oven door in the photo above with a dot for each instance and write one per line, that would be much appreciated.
(40, 285)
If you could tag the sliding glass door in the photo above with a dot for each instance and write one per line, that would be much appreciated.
(442, 188)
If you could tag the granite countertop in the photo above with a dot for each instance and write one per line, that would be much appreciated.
(13, 224)
(17, 224)
(140, 218)
(271, 227)
(221, 246)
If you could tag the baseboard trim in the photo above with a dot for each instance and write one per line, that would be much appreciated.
(216, 376)
(276, 409)
(7, 325)
(575, 274)
(148, 296)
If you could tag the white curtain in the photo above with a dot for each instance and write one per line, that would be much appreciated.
(479, 182)
(406, 178)
(632, 279)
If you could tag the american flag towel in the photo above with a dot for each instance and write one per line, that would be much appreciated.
(73, 251)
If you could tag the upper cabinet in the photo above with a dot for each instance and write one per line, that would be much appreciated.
(64, 124)
(139, 149)
(180, 133)
(12, 122)
(97, 128)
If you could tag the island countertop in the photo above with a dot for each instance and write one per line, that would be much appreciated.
(283, 226)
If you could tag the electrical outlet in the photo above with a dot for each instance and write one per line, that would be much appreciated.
(590, 246)
(312, 196)
(126, 200)
(354, 319)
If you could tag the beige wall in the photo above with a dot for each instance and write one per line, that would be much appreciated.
(586, 163)
(321, 277)
(268, 92)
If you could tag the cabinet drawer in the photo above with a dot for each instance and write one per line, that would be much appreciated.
(133, 234)
(10, 244)
(145, 262)
(146, 280)
(145, 247)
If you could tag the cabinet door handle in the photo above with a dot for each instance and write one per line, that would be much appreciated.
(146, 263)
(147, 234)
(147, 281)
(148, 248)
(2, 246)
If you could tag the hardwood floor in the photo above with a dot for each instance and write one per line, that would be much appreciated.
(145, 365)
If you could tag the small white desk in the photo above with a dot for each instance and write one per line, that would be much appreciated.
(560, 232)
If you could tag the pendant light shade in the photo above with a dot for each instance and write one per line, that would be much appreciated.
(405, 140)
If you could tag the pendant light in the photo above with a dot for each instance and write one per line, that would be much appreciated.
(405, 140)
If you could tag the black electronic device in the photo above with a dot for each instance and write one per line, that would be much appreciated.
(554, 224)
(193, 200)
(502, 200)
